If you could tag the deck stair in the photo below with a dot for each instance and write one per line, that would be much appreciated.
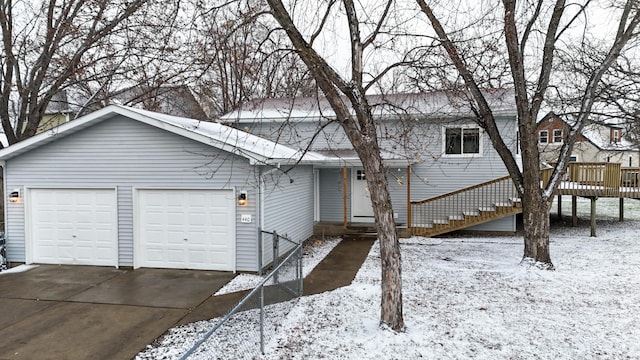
(464, 208)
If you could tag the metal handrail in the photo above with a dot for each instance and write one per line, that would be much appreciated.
(297, 251)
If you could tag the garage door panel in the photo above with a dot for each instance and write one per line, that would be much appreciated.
(73, 226)
(185, 229)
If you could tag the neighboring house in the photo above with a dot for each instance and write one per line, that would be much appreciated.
(170, 100)
(432, 133)
(127, 187)
(59, 111)
(598, 142)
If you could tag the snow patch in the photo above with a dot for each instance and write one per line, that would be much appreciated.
(470, 298)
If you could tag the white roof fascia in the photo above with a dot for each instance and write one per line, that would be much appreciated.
(355, 162)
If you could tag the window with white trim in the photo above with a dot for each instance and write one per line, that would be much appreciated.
(543, 137)
(557, 135)
(462, 141)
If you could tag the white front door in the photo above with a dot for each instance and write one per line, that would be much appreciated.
(361, 209)
(73, 226)
(185, 229)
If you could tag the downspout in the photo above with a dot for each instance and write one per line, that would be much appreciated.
(261, 218)
(261, 191)
(409, 197)
(3, 163)
(4, 205)
(344, 197)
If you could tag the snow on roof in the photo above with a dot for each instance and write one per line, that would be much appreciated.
(603, 140)
(234, 140)
(431, 104)
(254, 148)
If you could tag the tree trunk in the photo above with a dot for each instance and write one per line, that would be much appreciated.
(391, 299)
(360, 128)
(535, 214)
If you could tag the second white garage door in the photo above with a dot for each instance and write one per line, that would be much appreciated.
(185, 229)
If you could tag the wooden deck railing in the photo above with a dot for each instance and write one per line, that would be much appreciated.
(597, 179)
(466, 206)
(498, 198)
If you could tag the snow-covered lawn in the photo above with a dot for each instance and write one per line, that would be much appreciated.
(313, 253)
(468, 297)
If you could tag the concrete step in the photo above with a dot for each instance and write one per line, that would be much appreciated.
(360, 236)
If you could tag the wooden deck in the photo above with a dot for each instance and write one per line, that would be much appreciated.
(598, 180)
(498, 198)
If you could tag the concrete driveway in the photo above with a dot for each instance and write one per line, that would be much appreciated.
(89, 312)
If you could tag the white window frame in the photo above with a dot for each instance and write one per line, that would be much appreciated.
(462, 127)
(555, 131)
(546, 137)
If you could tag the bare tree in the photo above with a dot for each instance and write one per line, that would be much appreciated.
(46, 45)
(620, 97)
(524, 25)
(346, 96)
(242, 58)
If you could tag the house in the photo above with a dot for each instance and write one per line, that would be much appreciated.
(128, 187)
(59, 111)
(180, 101)
(600, 141)
(430, 145)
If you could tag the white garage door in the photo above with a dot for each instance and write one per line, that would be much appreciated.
(73, 226)
(185, 229)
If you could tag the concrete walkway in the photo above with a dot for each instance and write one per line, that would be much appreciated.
(86, 312)
(336, 270)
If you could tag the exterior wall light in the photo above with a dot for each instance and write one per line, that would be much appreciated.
(242, 198)
(14, 196)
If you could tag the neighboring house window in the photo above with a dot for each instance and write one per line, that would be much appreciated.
(462, 140)
(615, 135)
(630, 161)
(557, 135)
(573, 158)
(543, 137)
(360, 175)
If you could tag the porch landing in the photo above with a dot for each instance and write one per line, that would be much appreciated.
(353, 229)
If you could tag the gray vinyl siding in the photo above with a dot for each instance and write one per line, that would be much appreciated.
(445, 173)
(298, 134)
(449, 173)
(397, 180)
(126, 154)
(332, 195)
(288, 208)
(433, 172)
(507, 224)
